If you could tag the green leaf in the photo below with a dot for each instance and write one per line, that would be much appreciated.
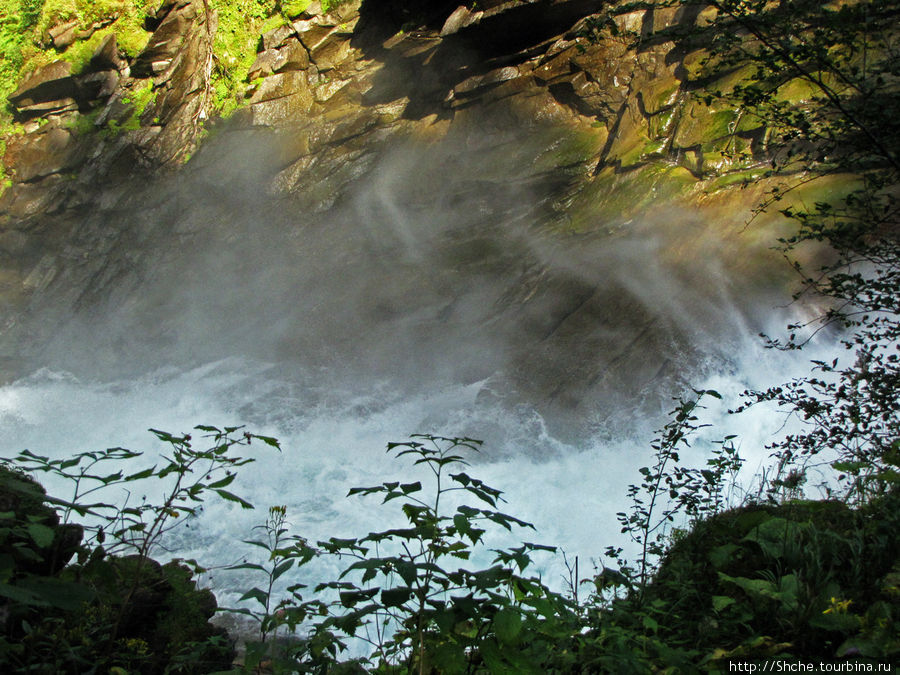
(406, 570)
(720, 602)
(48, 592)
(146, 473)
(40, 534)
(256, 594)
(22, 595)
(408, 488)
(281, 569)
(351, 598)
(223, 482)
(720, 556)
(268, 440)
(842, 622)
(395, 597)
(449, 657)
(366, 490)
(260, 544)
(650, 623)
(508, 625)
(462, 525)
(231, 497)
(775, 534)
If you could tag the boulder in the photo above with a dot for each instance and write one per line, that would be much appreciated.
(50, 150)
(460, 18)
(167, 40)
(22, 202)
(99, 85)
(282, 85)
(50, 88)
(106, 56)
(14, 243)
(277, 37)
(63, 35)
(179, 58)
(41, 546)
(264, 65)
(330, 53)
(293, 56)
(311, 10)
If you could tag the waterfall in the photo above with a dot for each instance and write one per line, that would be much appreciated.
(441, 288)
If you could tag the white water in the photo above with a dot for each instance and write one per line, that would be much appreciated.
(569, 492)
(406, 309)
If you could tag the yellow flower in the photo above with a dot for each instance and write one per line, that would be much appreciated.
(838, 606)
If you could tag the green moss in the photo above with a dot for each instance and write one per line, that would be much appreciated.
(798, 90)
(5, 181)
(141, 98)
(240, 25)
(17, 18)
(54, 13)
(611, 199)
(293, 8)
(655, 148)
(84, 124)
(272, 23)
(695, 64)
(98, 11)
(138, 99)
(632, 150)
(131, 36)
(79, 54)
(620, 197)
(328, 5)
(574, 148)
(660, 124)
(659, 95)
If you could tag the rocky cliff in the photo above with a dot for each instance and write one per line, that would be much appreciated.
(586, 109)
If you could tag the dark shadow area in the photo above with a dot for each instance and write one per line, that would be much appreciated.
(425, 68)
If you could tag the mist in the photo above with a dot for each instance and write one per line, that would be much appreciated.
(419, 286)
(418, 265)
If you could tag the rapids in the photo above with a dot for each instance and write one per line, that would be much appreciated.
(430, 287)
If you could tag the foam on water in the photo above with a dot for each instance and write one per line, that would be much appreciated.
(571, 492)
(439, 294)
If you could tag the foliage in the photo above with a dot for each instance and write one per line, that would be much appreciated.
(115, 605)
(16, 18)
(234, 47)
(675, 488)
(283, 552)
(139, 98)
(406, 593)
(329, 5)
(810, 576)
(843, 60)
(802, 580)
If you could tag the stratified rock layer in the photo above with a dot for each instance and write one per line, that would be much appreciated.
(329, 96)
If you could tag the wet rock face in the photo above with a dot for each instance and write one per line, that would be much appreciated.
(176, 64)
(51, 89)
(84, 230)
(86, 131)
(346, 69)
